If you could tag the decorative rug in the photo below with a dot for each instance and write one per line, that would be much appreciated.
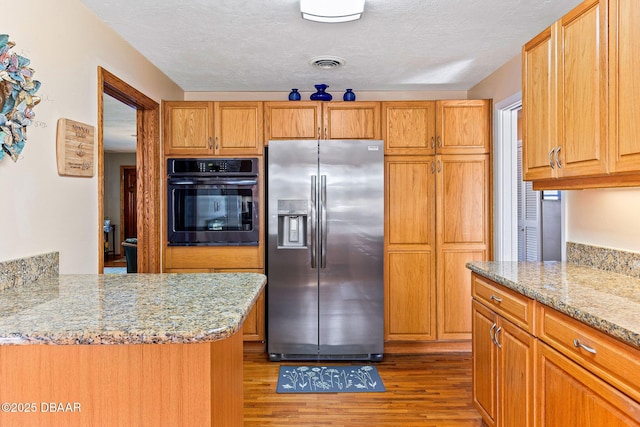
(329, 379)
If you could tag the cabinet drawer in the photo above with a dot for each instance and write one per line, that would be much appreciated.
(505, 302)
(610, 359)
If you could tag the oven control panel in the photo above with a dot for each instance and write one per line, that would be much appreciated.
(212, 166)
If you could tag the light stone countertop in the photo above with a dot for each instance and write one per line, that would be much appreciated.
(609, 302)
(128, 308)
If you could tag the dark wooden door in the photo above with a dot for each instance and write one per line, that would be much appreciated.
(129, 214)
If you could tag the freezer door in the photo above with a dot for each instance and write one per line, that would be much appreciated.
(292, 289)
(351, 229)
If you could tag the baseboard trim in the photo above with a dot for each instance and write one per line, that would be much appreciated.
(427, 347)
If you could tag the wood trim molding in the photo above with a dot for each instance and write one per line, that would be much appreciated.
(148, 168)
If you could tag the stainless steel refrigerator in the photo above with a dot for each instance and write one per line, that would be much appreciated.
(325, 288)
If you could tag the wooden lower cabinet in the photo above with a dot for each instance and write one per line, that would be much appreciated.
(569, 395)
(538, 374)
(503, 357)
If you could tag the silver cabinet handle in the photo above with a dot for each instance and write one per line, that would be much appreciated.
(584, 347)
(550, 159)
(433, 167)
(496, 336)
(557, 156)
(210, 145)
(216, 143)
(439, 142)
(439, 167)
(323, 221)
(433, 143)
(314, 189)
(326, 133)
(492, 335)
(495, 298)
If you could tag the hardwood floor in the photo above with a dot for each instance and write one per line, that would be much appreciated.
(427, 391)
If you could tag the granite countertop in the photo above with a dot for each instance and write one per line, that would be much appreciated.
(609, 302)
(128, 308)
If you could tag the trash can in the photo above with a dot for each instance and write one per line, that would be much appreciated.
(130, 246)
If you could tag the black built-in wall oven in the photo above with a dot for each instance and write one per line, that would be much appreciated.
(212, 202)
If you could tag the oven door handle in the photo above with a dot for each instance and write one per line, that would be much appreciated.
(212, 181)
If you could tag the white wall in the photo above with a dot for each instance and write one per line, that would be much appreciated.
(39, 210)
(606, 217)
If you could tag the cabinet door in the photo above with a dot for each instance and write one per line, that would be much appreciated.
(582, 90)
(463, 126)
(539, 134)
(568, 395)
(238, 128)
(408, 127)
(624, 87)
(292, 120)
(410, 248)
(463, 234)
(410, 296)
(351, 120)
(188, 128)
(484, 363)
(515, 375)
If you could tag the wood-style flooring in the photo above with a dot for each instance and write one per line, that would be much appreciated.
(422, 390)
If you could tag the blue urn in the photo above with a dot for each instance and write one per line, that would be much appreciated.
(349, 95)
(294, 95)
(321, 95)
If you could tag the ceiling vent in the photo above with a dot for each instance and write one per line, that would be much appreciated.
(327, 62)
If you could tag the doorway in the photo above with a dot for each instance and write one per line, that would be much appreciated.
(128, 202)
(147, 169)
(529, 222)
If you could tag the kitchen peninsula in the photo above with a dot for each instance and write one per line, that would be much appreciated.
(136, 349)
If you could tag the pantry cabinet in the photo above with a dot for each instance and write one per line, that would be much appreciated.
(410, 293)
(463, 234)
(322, 120)
(198, 128)
(438, 215)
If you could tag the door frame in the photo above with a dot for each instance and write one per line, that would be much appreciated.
(123, 169)
(147, 169)
(505, 188)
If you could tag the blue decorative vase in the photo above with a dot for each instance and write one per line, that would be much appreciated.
(294, 95)
(321, 95)
(349, 96)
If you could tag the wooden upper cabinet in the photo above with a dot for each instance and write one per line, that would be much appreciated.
(463, 126)
(624, 86)
(582, 91)
(408, 127)
(322, 120)
(195, 128)
(538, 106)
(292, 120)
(351, 120)
(188, 128)
(238, 128)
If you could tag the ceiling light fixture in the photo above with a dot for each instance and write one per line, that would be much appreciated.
(331, 10)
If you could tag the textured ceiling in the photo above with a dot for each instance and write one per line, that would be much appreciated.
(265, 45)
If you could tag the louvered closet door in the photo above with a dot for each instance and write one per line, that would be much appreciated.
(528, 217)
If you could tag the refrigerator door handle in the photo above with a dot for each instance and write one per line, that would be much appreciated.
(323, 221)
(314, 221)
